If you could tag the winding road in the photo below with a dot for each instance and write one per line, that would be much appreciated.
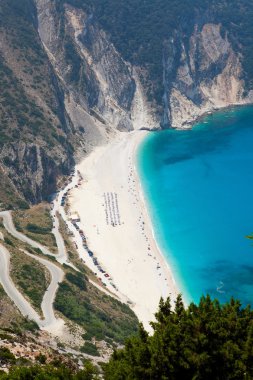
(11, 290)
(57, 276)
(49, 322)
(61, 257)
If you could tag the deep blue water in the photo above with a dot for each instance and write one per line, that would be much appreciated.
(199, 188)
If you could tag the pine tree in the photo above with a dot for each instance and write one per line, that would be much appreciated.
(208, 341)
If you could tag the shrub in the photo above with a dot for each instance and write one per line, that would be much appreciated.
(90, 349)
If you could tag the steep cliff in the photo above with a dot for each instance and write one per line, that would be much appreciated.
(36, 139)
(207, 75)
(196, 66)
(99, 86)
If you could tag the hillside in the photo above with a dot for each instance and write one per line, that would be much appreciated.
(74, 75)
(35, 144)
(204, 341)
(50, 296)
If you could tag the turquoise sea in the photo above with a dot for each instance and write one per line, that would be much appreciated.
(198, 185)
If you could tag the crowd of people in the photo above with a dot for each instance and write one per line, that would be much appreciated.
(134, 192)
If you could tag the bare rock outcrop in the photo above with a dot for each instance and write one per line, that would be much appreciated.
(95, 78)
(208, 75)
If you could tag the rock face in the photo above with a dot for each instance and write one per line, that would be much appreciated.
(102, 92)
(33, 171)
(201, 72)
(208, 76)
(35, 132)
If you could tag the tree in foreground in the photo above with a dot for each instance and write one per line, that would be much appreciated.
(205, 342)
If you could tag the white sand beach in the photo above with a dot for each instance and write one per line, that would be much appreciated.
(117, 226)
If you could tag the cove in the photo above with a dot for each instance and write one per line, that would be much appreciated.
(198, 186)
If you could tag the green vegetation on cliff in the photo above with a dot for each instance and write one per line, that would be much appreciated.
(24, 72)
(33, 130)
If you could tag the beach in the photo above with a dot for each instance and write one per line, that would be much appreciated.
(114, 218)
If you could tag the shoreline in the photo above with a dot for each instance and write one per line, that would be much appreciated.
(114, 216)
(211, 112)
(146, 206)
(176, 282)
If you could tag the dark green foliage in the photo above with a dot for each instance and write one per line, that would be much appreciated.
(90, 349)
(37, 229)
(208, 342)
(6, 357)
(73, 58)
(41, 358)
(22, 205)
(8, 241)
(32, 281)
(4, 336)
(16, 107)
(78, 279)
(28, 325)
(101, 316)
(50, 373)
